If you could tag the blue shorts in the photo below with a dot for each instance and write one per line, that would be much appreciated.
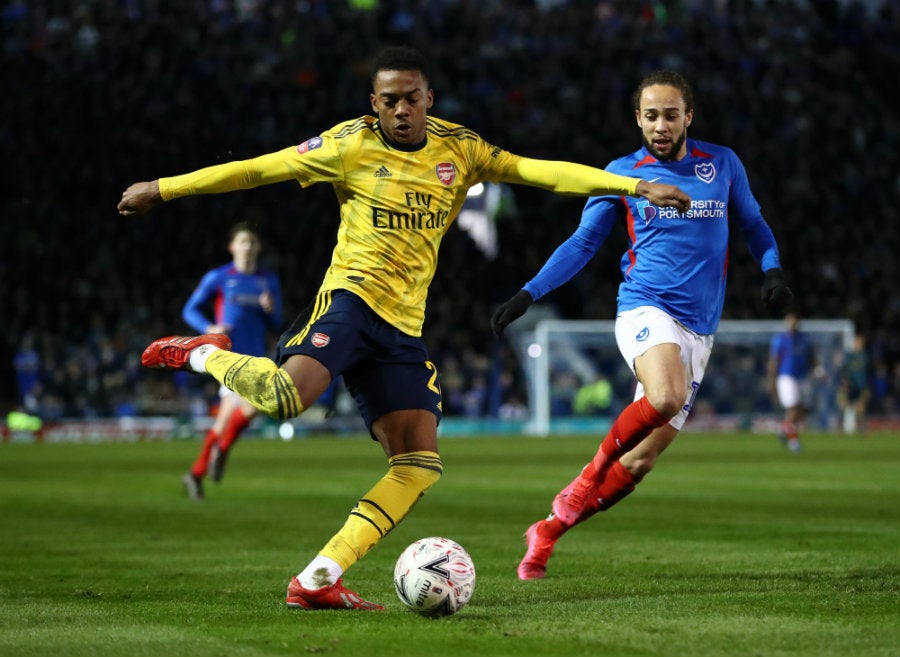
(384, 369)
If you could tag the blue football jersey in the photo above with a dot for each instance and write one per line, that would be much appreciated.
(675, 262)
(233, 299)
(793, 352)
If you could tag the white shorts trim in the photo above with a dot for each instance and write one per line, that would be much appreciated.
(640, 329)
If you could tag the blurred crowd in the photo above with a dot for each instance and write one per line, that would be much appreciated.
(97, 94)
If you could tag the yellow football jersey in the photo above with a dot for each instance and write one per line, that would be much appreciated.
(396, 203)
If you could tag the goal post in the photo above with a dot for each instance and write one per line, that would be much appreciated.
(578, 381)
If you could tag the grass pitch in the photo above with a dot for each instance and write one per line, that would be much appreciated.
(732, 546)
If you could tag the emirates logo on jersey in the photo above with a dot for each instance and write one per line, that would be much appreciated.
(320, 340)
(446, 172)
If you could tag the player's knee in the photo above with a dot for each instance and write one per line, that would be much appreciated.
(666, 400)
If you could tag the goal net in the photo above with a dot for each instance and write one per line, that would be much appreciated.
(578, 382)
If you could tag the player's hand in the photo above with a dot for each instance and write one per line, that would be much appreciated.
(266, 302)
(665, 196)
(139, 198)
(510, 311)
(775, 290)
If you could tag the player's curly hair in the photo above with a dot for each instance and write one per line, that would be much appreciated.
(669, 78)
(399, 58)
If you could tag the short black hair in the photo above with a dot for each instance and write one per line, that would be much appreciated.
(399, 58)
(668, 78)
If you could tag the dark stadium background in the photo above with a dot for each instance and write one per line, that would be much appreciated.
(99, 94)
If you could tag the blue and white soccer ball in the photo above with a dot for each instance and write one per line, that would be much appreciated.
(435, 577)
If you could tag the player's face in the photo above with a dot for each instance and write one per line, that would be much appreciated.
(245, 247)
(401, 99)
(664, 121)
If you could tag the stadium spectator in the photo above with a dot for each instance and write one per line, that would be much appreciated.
(243, 301)
(401, 177)
(669, 303)
(76, 77)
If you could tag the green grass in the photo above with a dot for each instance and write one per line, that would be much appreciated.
(732, 546)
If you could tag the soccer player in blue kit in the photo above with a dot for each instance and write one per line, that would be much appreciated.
(245, 300)
(669, 302)
(792, 359)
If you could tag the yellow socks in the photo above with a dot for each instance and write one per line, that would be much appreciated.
(385, 505)
(258, 380)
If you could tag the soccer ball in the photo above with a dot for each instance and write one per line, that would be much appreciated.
(435, 577)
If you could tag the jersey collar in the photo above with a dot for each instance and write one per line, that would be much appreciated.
(409, 148)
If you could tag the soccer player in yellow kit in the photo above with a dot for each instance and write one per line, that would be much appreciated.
(400, 177)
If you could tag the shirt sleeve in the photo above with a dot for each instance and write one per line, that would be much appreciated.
(192, 313)
(572, 255)
(570, 178)
(745, 208)
(231, 176)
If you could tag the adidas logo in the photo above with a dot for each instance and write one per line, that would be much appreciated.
(382, 172)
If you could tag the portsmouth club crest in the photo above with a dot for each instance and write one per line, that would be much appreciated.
(705, 171)
(446, 172)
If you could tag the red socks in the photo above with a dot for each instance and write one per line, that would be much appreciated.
(790, 430)
(199, 467)
(634, 424)
(617, 485)
(608, 479)
(237, 422)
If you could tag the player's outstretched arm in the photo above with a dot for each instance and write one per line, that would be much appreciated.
(665, 196)
(139, 198)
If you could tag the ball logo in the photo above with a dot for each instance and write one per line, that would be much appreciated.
(309, 145)
(643, 334)
(320, 340)
(705, 171)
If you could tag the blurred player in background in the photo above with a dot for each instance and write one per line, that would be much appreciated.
(792, 360)
(401, 177)
(669, 304)
(854, 392)
(246, 305)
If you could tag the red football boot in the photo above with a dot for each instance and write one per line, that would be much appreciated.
(173, 352)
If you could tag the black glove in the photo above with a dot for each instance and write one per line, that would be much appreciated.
(510, 311)
(775, 290)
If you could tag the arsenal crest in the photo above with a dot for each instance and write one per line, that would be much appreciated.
(446, 172)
